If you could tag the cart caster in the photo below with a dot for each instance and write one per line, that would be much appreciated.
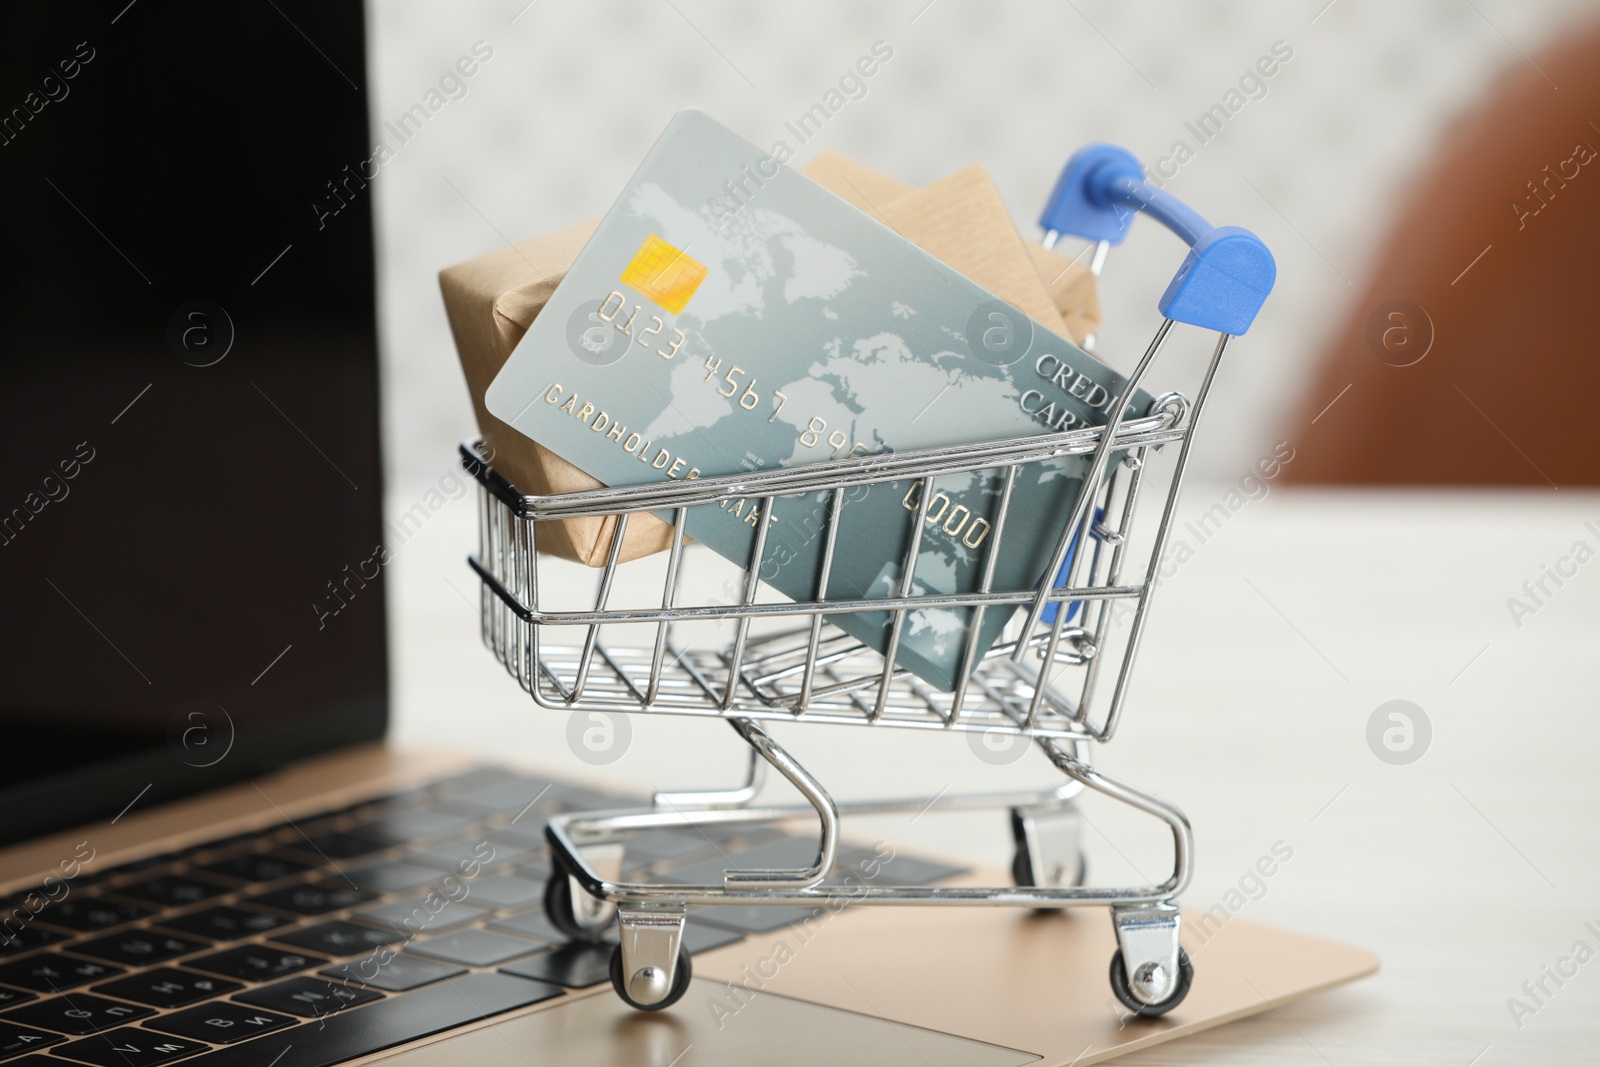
(648, 991)
(1119, 986)
(1023, 875)
(587, 921)
(1048, 846)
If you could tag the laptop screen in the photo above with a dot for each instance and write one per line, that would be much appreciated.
(191, 571)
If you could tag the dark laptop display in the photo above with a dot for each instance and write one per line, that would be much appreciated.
(191, 489)
(192, 577)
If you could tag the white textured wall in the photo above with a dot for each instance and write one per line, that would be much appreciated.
(553, 125)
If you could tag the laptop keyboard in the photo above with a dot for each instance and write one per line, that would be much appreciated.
(346, 932)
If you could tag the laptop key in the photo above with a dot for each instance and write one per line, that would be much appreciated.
(589, 800)
(397, 974)
(167, 987)
(52, 971)
(533, 923)
(222, 1023)
(225, 923)
(77, 1014)
(577, 965)
(466, 853)
(139, 947)
(393, 877)
(538, 869)
(15, 1040)
(406, 825)
(174, 890)
(129, 1047)
(339, 938)
(477, 948)
(429, 914)
(257, 867)
(256, 963)
(530, 795)
(654, 845)
(91, 915)
(526, 834)
(12, 997)
(503, 891)
(392, 1021)
(754, 918)
(784, 852)
(340, 845)
(405, 800)
(313, 998)
(313, 899)
(698, 938)
(15, 942)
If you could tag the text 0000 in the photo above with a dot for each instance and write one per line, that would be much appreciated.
(957, 521)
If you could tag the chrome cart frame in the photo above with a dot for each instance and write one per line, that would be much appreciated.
(811, 673)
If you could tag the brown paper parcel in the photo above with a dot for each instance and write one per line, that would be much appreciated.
(960, 219)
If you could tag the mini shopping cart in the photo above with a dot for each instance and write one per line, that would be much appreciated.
(1041, 682)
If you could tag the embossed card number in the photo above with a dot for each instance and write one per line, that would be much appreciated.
(608, 312)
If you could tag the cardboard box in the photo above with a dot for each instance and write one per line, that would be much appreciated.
(493, 299)
(948, 235)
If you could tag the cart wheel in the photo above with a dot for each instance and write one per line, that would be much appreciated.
(1022, 871)
(1119, 986)
(680, 982)
(559, 910)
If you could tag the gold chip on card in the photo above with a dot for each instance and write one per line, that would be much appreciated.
(664, 274)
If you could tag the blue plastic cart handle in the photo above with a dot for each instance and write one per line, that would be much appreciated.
(1228, 273)
(1054, 606)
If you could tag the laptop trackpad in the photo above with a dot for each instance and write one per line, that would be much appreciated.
(701, 1031)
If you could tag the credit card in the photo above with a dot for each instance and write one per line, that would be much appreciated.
(731, 315)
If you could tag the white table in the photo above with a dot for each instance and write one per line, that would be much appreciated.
(1469, 871)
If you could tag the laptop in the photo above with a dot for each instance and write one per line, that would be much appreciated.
(208, 853)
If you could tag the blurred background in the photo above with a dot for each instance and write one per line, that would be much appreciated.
(1423, 360)
(1322, 162)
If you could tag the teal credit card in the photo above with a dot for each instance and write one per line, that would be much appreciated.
(731, 315)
